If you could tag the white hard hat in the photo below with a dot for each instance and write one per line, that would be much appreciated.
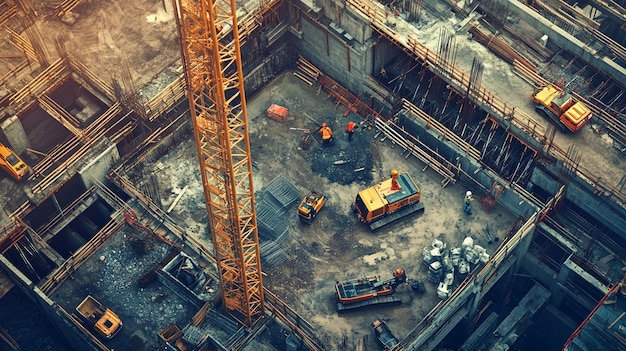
(469, 193)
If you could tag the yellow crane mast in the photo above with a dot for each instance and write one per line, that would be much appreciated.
(212, 63)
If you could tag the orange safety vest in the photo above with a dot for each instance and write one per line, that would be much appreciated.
(351, 126)
(326, 132)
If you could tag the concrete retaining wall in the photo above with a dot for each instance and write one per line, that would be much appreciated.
(581, 193)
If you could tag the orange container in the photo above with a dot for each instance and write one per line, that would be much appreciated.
(278, 113)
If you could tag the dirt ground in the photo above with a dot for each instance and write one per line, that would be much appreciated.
(109, 36)
(336, 246)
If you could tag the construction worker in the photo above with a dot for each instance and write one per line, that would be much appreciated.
(395, 185)
(468, 202)
(350, 129)
(327, 133)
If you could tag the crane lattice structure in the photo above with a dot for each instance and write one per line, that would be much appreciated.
(212, 65)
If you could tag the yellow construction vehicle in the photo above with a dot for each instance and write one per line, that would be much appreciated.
(310, 206)
(12, 163)
(553, 103)
(102, 319)
(388, 201)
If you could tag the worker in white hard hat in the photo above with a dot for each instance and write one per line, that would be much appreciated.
(468, 203)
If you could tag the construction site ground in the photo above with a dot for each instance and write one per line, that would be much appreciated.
(336, 246)
(142, 36)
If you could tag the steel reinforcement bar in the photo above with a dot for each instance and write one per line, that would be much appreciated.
(6, 12)
(74, 149)
(91, 78)
(434, 124)
(52, 75)
(376, 14)
(162, 102)
(65, 6)
(418, 149)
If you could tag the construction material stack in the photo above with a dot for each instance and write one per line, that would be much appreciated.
(278, 113)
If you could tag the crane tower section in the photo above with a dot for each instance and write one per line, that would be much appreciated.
(212, 63)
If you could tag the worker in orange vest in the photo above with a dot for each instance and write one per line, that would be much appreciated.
(350, 129)
(327, 133)
(395, 185)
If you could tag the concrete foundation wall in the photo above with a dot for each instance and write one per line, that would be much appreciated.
(354, 26)
(346, 61)
(599, 207)
(351, 23)
(48, 308)
(74, 336)
(14, 133)
(481, 181)
(383, 53)
(100, 164)
(542, 273)
(565, 40)
(581, 193)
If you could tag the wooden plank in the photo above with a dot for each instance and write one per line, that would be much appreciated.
(60, 114)
(606, 259)
(182, 192)
(616, 320)
(418, 151)
(297, 74)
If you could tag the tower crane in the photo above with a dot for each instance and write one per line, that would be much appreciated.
(214, 76)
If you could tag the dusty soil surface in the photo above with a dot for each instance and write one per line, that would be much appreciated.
(336, 246)
(109, 36)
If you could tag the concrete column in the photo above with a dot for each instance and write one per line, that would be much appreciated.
(99, 162)
(13, 131)
(473, 305)
(522, 248)
(561, 278)
(557, 289)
